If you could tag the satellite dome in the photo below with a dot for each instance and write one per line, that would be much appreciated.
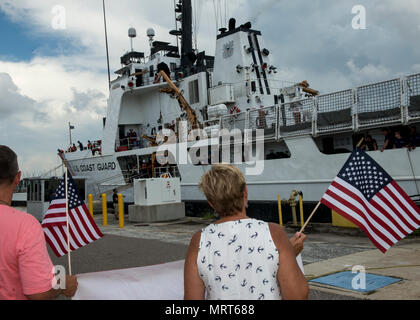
(150, 32)
(132, 33)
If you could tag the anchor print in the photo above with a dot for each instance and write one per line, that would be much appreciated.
(254, 235)
(233, 240)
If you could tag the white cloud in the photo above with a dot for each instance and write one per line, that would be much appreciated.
(367, 72)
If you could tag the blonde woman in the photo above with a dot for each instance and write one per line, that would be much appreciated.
(239, 258)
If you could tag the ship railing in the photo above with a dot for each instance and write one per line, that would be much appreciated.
(412, 97)
(297, 118)
(379, 103)
(386, 103)
(264, 119)
(334, 111)
(234, 121)
(172, 171)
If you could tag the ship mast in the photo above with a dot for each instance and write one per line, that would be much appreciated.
(188, 57)
(186, 40)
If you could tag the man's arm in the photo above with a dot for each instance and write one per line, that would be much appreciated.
(70, 291)
(293, 284)
(194, 288)
(35, 267)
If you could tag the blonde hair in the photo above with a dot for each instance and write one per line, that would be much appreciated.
(224, 187)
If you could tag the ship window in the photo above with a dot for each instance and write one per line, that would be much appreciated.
(194, 93)
(173, 66)
(152, 71)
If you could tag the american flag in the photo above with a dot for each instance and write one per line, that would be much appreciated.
(82, 228)
(367, 196)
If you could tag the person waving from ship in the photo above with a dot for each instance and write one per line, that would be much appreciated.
(238, 258)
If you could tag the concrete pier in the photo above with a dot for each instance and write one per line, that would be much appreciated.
(156, 213)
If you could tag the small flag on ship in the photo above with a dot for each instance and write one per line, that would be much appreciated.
(81, 227)
(367, 196)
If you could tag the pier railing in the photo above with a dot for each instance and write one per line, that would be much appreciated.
(385, 103)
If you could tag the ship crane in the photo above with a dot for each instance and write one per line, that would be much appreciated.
(173, 89)
(305, 88)
(153, 144)
(152, 140)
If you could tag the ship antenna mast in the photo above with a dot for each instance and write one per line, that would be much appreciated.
(106, 43)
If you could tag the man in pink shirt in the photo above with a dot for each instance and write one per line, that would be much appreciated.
(26, 270)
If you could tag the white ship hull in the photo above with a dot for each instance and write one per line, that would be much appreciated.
(307, 170)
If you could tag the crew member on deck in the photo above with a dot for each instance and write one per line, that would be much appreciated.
(369, 144)
(388, 140)
(81, 148)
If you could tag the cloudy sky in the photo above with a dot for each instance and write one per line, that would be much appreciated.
(53, 70)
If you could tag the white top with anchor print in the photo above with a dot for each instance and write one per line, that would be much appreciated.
(238, 260)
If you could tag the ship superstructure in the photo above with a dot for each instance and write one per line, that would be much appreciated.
(306, 136)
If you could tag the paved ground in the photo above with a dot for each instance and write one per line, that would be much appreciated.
(143, 245)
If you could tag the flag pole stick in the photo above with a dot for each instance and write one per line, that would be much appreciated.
(67, 219)
(360, 143)
(310, 217)
(319, 203)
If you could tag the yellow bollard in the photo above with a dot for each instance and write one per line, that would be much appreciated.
(121, 210)
(90, 200)
(104, 210)
(302, 222)
(280, 213)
